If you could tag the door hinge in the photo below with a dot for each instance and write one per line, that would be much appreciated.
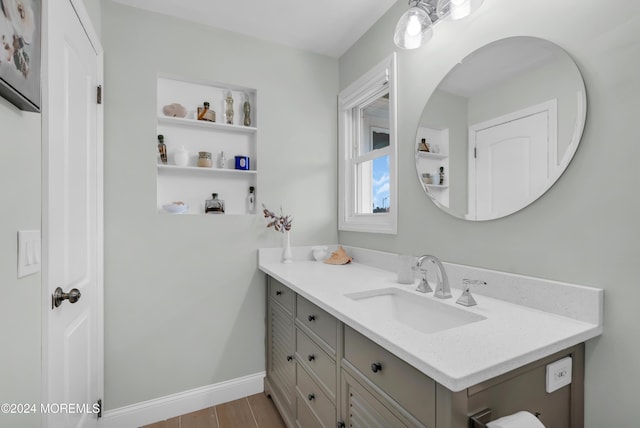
(475, 152)
(99, 403)
(99, 95)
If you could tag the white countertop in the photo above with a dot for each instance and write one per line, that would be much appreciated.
(511, 336)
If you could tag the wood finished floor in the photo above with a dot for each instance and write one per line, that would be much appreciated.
(255, 411)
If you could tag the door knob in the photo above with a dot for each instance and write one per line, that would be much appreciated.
(60, 296)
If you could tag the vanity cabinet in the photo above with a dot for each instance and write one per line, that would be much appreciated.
(339, 377)
(281, 367)
(190, 183)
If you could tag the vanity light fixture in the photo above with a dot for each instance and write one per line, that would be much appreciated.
(415, 26)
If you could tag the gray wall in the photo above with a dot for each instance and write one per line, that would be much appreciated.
(184, 301)
(94, 9)
(584, 229)
(20, 316)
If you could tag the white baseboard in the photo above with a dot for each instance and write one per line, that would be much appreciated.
(173, 405)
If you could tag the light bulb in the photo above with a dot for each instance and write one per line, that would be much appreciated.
(460, 9)
(413, 26)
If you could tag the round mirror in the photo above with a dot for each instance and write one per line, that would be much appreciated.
(500, 128)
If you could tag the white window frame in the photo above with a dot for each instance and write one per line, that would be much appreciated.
(377, 82)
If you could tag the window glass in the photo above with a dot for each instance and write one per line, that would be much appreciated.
(373, 186)
(374, 120)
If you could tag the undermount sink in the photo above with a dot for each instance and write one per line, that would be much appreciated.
(418, 312)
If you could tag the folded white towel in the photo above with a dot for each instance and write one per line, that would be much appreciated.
(517, 420)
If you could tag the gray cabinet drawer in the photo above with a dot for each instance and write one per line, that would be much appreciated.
(282, 294)
(318, 321)
(313, 396)
(410, 388)
(305, 417)
(317, 361)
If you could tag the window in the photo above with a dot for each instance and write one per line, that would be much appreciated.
(367, 139)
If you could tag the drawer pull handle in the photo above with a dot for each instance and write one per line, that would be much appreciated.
(289, 358)
(376, 367)
(311, 397)
(311, 357)
(311, 318)
(278, 293)
(340, 424)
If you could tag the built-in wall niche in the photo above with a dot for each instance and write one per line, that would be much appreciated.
(191, 184)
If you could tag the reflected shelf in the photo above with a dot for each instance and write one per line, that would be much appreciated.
(437, 186)
(430, 155)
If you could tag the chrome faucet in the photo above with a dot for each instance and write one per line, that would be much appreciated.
(466, 298)
(443, 290)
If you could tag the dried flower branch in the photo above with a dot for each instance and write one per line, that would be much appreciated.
(280, 223)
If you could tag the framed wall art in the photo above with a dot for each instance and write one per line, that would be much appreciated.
(20, 45)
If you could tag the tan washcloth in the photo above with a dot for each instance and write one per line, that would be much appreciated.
(339, 257)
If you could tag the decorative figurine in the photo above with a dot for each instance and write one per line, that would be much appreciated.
(247, 110)
(228, 112)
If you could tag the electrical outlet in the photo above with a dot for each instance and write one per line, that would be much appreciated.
(559, 374)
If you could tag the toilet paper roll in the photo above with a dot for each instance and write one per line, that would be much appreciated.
(517, 420)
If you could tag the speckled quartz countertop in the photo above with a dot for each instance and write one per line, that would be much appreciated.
(512, 335)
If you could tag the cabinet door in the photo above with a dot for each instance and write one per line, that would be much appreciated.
(361, 409)
(280, 359)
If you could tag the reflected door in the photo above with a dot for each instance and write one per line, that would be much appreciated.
(511, 165)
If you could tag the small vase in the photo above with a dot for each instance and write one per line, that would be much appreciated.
(286, 251)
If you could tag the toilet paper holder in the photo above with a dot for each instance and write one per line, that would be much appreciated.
(480, 419)
(483, 417)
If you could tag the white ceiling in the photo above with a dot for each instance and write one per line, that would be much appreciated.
(327, 27)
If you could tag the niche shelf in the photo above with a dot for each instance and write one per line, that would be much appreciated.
(191, 184)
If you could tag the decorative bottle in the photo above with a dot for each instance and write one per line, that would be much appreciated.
(222, 160)
(441, 175)
(205, 113)
(251, 200)
(214, 205)
(247, 110)
(228, 112)
(162, 148)
(181, 157)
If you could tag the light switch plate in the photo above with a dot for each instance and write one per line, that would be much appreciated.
(559, 374)
(29, 252)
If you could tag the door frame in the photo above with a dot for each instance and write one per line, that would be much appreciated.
(94, 39)
(550, 107)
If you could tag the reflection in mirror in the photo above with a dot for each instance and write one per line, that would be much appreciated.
(500, 128)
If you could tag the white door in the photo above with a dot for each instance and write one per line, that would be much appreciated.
(512, 165)
(72, 218)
